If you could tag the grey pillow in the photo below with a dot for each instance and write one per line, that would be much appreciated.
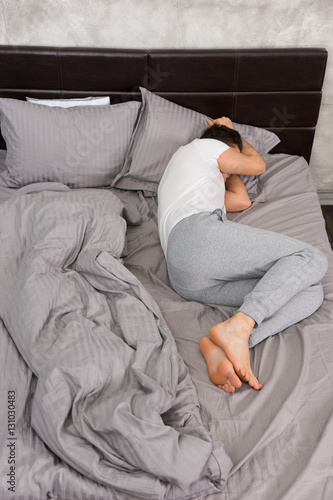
(163, 127)
(78, 146)
(261, 139)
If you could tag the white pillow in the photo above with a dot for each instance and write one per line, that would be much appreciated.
(68, 103)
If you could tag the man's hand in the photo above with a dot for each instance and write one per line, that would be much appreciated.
(221, 121)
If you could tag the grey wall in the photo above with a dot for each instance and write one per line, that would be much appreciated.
(185, 24)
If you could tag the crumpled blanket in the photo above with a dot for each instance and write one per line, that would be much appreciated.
(114, 399)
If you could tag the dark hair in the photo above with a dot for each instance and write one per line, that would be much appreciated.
(224, 134)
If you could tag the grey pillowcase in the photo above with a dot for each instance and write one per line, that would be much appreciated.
(79, 146)
(163, 127)
(261, 139)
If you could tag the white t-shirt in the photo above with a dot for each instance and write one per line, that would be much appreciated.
(192, 183)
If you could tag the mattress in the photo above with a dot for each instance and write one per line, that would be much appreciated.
(276, 438)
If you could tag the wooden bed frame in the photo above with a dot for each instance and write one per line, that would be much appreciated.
(278, 89)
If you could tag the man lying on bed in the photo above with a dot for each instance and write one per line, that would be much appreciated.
(273, 280)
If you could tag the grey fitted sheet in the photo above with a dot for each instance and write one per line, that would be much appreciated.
(278, 439)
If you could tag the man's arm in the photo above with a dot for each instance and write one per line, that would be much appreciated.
(236, 196)
(232, 161)
(246, 162)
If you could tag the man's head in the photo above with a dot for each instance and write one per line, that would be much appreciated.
(229, 136)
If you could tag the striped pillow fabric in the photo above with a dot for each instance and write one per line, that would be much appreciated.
(163, 127)
(78, 146)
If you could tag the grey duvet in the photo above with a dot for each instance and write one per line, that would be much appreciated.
(111, 395)
(100, 402)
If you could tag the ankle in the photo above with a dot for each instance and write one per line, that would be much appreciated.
(243, 323)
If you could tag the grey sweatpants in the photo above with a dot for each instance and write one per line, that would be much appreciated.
(273, 278)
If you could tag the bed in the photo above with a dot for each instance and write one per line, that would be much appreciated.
(105, 394)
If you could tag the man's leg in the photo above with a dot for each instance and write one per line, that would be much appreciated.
(287, 293)
(257, 271)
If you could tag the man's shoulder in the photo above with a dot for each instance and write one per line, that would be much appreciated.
(210, 149)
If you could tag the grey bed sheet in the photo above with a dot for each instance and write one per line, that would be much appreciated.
(279, 439)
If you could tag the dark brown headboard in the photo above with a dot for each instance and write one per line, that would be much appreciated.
(278, 89)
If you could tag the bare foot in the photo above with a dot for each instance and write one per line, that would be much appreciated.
(220, 369)
(232, 336)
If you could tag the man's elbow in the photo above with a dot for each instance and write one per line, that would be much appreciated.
(261, 166)
(256, 166)
(247, 204)
(244, 204)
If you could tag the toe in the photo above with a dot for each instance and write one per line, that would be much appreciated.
(243, 374)
(227, 388)
(253, 382)
(234, 379)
